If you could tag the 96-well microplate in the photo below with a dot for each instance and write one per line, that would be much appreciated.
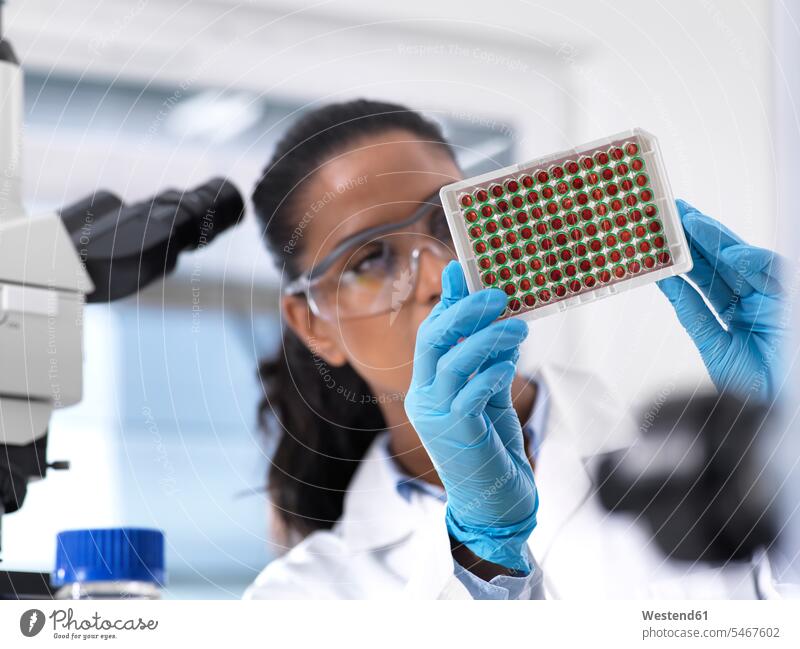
(569, 228)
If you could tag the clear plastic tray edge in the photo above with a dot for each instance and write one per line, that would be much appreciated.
(679, 246)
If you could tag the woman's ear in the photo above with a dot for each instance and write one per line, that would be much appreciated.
(313, 331)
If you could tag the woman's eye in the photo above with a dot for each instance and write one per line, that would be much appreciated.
(368, 259)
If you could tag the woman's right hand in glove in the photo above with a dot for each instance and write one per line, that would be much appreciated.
(459, 402)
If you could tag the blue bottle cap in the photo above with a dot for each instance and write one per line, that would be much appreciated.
(114, 554)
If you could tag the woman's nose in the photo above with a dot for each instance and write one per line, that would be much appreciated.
(429, 277)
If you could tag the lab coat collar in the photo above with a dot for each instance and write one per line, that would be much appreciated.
(375, 515)
(582, 420)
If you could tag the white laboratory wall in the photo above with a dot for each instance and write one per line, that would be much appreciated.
(782, 452)
(697, 74)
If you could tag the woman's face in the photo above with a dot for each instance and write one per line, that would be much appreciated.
(378, 179)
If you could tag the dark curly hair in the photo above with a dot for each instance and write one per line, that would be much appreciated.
(320, 439)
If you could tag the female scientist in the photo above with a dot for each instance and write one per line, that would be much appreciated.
(406, 437)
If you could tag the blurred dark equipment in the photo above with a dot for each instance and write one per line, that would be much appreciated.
(696, 478)
(126, 247)
(25, 585)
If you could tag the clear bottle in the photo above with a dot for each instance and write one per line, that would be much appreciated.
(112, 563)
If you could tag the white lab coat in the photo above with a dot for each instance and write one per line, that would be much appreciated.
(386, 546)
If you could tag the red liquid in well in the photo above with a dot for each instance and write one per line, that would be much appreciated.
(612, 234)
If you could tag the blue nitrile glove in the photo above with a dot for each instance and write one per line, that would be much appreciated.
(742, 283)
(468, 424)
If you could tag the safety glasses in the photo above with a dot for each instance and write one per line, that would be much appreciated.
(375, 271)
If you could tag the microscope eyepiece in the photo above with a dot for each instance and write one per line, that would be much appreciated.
(126, 247)
(212, 207)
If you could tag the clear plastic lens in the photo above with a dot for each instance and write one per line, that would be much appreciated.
(374, 258)
(378, 276)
